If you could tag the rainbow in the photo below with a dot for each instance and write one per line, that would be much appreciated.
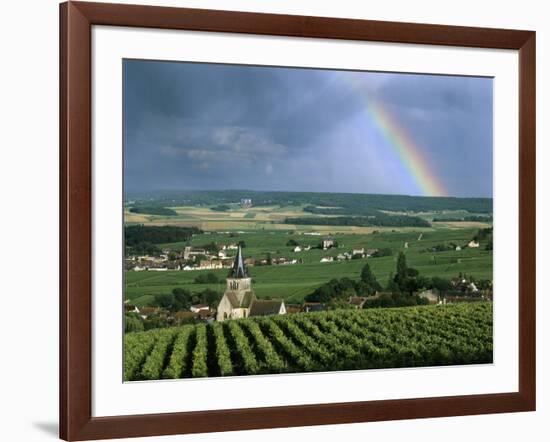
(408, 153)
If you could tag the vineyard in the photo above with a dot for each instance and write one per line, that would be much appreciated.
(306, 342)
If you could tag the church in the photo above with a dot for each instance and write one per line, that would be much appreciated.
(239, 300)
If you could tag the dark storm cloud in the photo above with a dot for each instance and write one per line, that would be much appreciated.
(201, 126)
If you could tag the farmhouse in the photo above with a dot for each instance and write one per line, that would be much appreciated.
(473, 244)
(145, 312)
(210, 264)
(371, 252)
(357, 301)
(182, 317)
(268, 307)
(129, 308)
(198, 307)
(313, 307)
(246, 203)
(328, 242)
(190, 252)
(431, 296)
(239, 300)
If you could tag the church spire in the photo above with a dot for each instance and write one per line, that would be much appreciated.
(239, 269)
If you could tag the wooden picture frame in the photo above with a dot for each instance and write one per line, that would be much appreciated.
(76, 21)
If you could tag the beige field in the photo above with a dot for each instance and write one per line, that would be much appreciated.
(461, 224)
(254, 218)
(259, 218)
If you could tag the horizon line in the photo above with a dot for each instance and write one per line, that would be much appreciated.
(303, 191)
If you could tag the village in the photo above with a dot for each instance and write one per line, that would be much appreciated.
(239, 299)
(214, 256)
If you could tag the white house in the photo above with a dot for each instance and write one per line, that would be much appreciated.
(297, 249)
(431, 296)
(199, 307)
(473, 244)
(327, 259)
(328, 242)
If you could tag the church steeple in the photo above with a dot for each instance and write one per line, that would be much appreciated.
(239, 269)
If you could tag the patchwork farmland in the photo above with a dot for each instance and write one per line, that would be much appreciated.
(293, 282)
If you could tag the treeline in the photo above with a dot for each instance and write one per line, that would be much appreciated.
(476, 218)
(402, 289)
(153, 210)
(485, 234)
(345, 203)
(220, 208)
(336, 293)
(179, 300)
(183, 299)
(379, 220)
(140, 239)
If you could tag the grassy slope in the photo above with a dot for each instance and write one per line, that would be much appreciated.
(295, 281)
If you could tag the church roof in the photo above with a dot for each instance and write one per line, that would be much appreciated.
(265, 307)
(239, 269)
(247, 299)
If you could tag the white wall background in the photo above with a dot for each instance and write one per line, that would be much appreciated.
(29, 219)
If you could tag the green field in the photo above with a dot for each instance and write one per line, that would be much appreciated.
(293, 282)
(311, 342)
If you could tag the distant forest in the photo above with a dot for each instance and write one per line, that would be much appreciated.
(322, 203)
(376, 220)
(153, 210)
(477, 218)
(140, 239)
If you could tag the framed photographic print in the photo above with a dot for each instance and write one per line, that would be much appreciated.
(272, 220)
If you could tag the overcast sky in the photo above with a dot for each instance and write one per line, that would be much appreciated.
(207, 126)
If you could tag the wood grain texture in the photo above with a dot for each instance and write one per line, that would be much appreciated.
(75, 222)
(76, 20)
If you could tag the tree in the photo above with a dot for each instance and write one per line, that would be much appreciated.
(211, 247)
(401, 268)
(242, 244)
(133, 323)
(292, 243)
(392, 286)
(407, 279)
(209, 278)
(442, 285)
(155, 321)
(183, 297)
(410, 285)
(370, 280)
(210, 297)
(382, 252)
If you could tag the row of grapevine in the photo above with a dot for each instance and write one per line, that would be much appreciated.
(136, 349)
(306, 342)
(248, 362)
(223, 353)
(154, 364)
(272, 361)
(301, 359)
(200, 367)
(177, 362)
